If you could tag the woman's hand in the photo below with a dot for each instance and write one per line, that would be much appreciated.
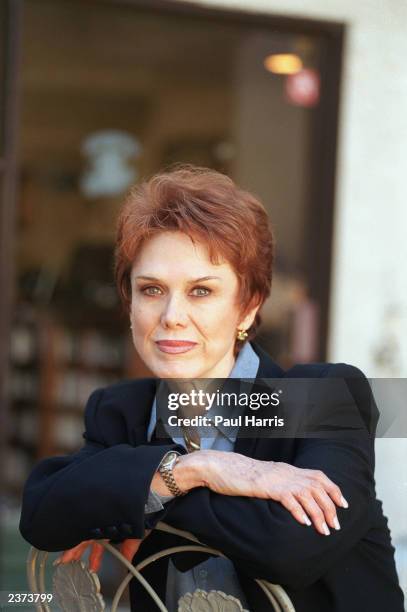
(307, 494)
(128, 548)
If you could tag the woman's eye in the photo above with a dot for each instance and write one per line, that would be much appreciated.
(201, 291)
(151, 290)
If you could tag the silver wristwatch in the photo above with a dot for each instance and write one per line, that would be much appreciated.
(165, 468)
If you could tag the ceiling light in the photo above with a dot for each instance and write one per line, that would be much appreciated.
(283, 63)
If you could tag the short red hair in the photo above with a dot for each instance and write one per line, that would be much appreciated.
(211, 209)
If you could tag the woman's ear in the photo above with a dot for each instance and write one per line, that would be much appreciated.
(249, 313)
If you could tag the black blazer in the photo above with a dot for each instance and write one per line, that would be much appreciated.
(100, 492)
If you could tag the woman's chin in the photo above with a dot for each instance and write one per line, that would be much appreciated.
(177, 373)
(176, 370)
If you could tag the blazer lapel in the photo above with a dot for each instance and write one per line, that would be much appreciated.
(267, 369)
(138, 433)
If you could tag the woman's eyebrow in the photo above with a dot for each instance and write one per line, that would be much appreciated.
(195, 280)
(142, 277)
(205, 278)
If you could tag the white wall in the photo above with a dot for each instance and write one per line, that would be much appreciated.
(369, 298)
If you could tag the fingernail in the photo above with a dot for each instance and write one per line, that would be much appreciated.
(325, 529)
(344, 502)
(306, 520)
(336, 523)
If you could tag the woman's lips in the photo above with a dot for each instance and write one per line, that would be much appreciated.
(175, 346)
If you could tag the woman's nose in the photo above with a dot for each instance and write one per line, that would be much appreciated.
(174, 313)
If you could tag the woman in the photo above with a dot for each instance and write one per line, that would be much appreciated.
(193, 267)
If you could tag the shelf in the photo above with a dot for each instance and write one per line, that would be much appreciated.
(50, 387)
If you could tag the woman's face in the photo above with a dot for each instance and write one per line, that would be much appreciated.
(184, 309)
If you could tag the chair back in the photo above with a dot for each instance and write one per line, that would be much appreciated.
(87, 583)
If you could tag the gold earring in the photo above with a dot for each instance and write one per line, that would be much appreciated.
(241, 334)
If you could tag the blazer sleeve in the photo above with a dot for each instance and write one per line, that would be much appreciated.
(98, 492)
(261, 536)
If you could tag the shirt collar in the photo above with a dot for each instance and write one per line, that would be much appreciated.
(246, 367)
(246, 364)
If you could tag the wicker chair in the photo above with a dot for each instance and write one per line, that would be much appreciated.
(36, 563)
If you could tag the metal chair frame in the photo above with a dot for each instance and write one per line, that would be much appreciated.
(37, 560)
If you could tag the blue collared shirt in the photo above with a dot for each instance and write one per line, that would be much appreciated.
(215, 573)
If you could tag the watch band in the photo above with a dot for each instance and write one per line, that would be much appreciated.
(168, 476)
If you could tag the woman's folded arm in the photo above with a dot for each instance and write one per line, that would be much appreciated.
(98, 492)
(263, 538)
(261, 535)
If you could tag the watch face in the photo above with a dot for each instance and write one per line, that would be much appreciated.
(170, 458)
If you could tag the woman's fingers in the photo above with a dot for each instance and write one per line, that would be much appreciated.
(95, 557)
(327, 506)
(313, 510)
(330, 487)
(314, 503)
(291, 504)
